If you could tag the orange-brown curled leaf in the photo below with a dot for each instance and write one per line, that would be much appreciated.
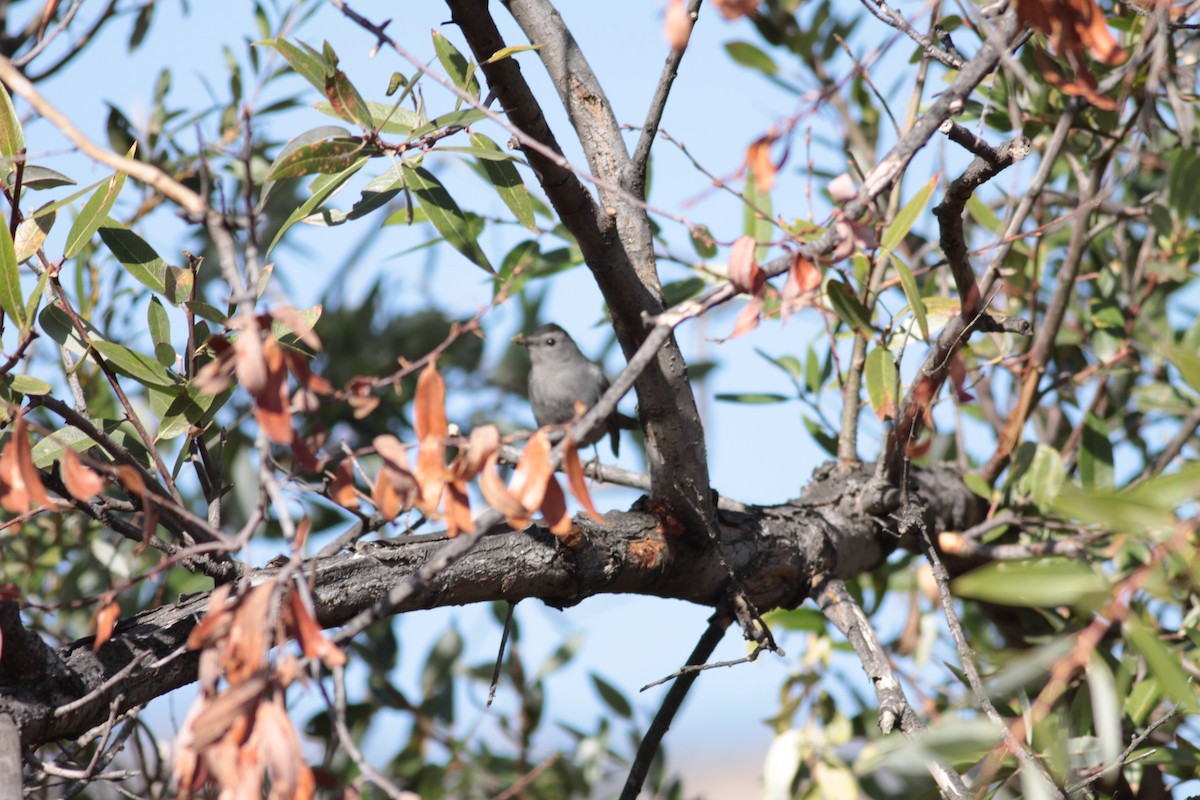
(575, 479)
(457, 509)
(744, 272)
(20, 485)
(297, 364)
(431, 475)
(271, 407)
(554, 511)
(402, 488)
(1073, 26)
(305, 454)
(677, 28)
(82, 482)
(429, 405)
(801, 288)
(483, 442)
(758, 159)
(342, 490)
(528, 484)
(250, 635)
(276, 742)
(106, 617)
(734, 9)
(496, 495)
(747, 318)
(250, 362)
(214, 377)
(313, 642)
(217, 619)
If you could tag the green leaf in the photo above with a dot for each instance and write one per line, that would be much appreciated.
(140, 367)
(160, 332)
(703, 242)
(12, 138)
(1114, 511)
(789, 364)
(36, 177)
(1188, 364)
(1035, 582)
(49, 449)
(881, 376)
(334, 155)
(506, 181)
(31, 235)
(796, 619)
(983, 215)
(173, 283)
(752, 398)
(756, 224)
(322, 189)
(1106, 709)
(847, 307)
(1163, 664)
(444, 214)
(58, 326)
(346, 101)
(1044, 477)
(189, 408)
(1095, 455)
(749, 55)
(912, 294)
(35, 297)
(612, 697)
(308, 63)
(385, 117)
(27, 384)
(94, 212)
(907, 216)
(455, 65)
(505, 52)
(12, 299)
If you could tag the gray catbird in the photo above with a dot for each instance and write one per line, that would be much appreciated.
(560, 377)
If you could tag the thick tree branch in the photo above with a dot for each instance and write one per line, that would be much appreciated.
(773, 551)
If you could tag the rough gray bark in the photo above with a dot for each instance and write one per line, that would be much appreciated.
(839, 526)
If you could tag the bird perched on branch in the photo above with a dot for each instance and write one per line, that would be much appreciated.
(560, 377)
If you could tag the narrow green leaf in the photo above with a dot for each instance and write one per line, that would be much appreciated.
(612, 697)
(49, 449)
(1188, 364)
(12, 299)
(385, 117)
(756, 224)
(1106, 710)
(1095, 455)
(909, 284)
(322, 189)
(94, 212)
(35, 297)
(189, 408)
(160, 332)
(907, 216)
(12, 138)
(506, 181)
(847, 306)
(31, 235)
(1044, 477)
(1164, 664)
(140, 367)
(511, 50)
(1034, 582)
(346, 101)
(444, 214)
(983, 215)
(703, 242)
(308, 63)
(36, 177)
(1114, 511)
(789, 364)
(57, 325)
(751, 56)
(881, 376)
(456, 65)
(752, 398)
(144, 264)
(54, 205)
(27, 384)
(330, 156)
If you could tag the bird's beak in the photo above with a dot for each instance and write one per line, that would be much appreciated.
(521, 340)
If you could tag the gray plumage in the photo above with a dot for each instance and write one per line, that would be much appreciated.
(560, 376)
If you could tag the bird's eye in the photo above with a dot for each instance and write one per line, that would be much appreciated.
(550, 341)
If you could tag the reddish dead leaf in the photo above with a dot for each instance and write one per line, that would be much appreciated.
(431, 475)
(958, 378)
(457, 509)
(313, 642)
(677, 28)
(841, 189)
(575, 479)
(919, 448)
(744, 272)
(396, 487)
(1084, 84)
(306, 458)
(228, 713)
(360, 398)
(735, 9)
(429, 405)
(106, 617)
(298, 324)
(496, 495)
(276, 741)
(297, 364)
(758, 159)
(483, 442)
(302, 530)
(853, 236)
(748, 317)
(250, 362)
(216, 622)
(533, 472)
(81, 482)
(801, 288)
(342, 490)
(250, 635)
(384, 496)
(20, 485)
(271, 407)
(554, 511)
(1073, 26)
(215, 376)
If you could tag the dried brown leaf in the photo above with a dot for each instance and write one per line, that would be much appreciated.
(342, 490)
(801, 288)
(744, 272)
(677, 28)
(528, 484)
(82, 483)
(106, 616)
(429, 405)
(497, 496)
(313, 642)
(574, 470)
(457, 510)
